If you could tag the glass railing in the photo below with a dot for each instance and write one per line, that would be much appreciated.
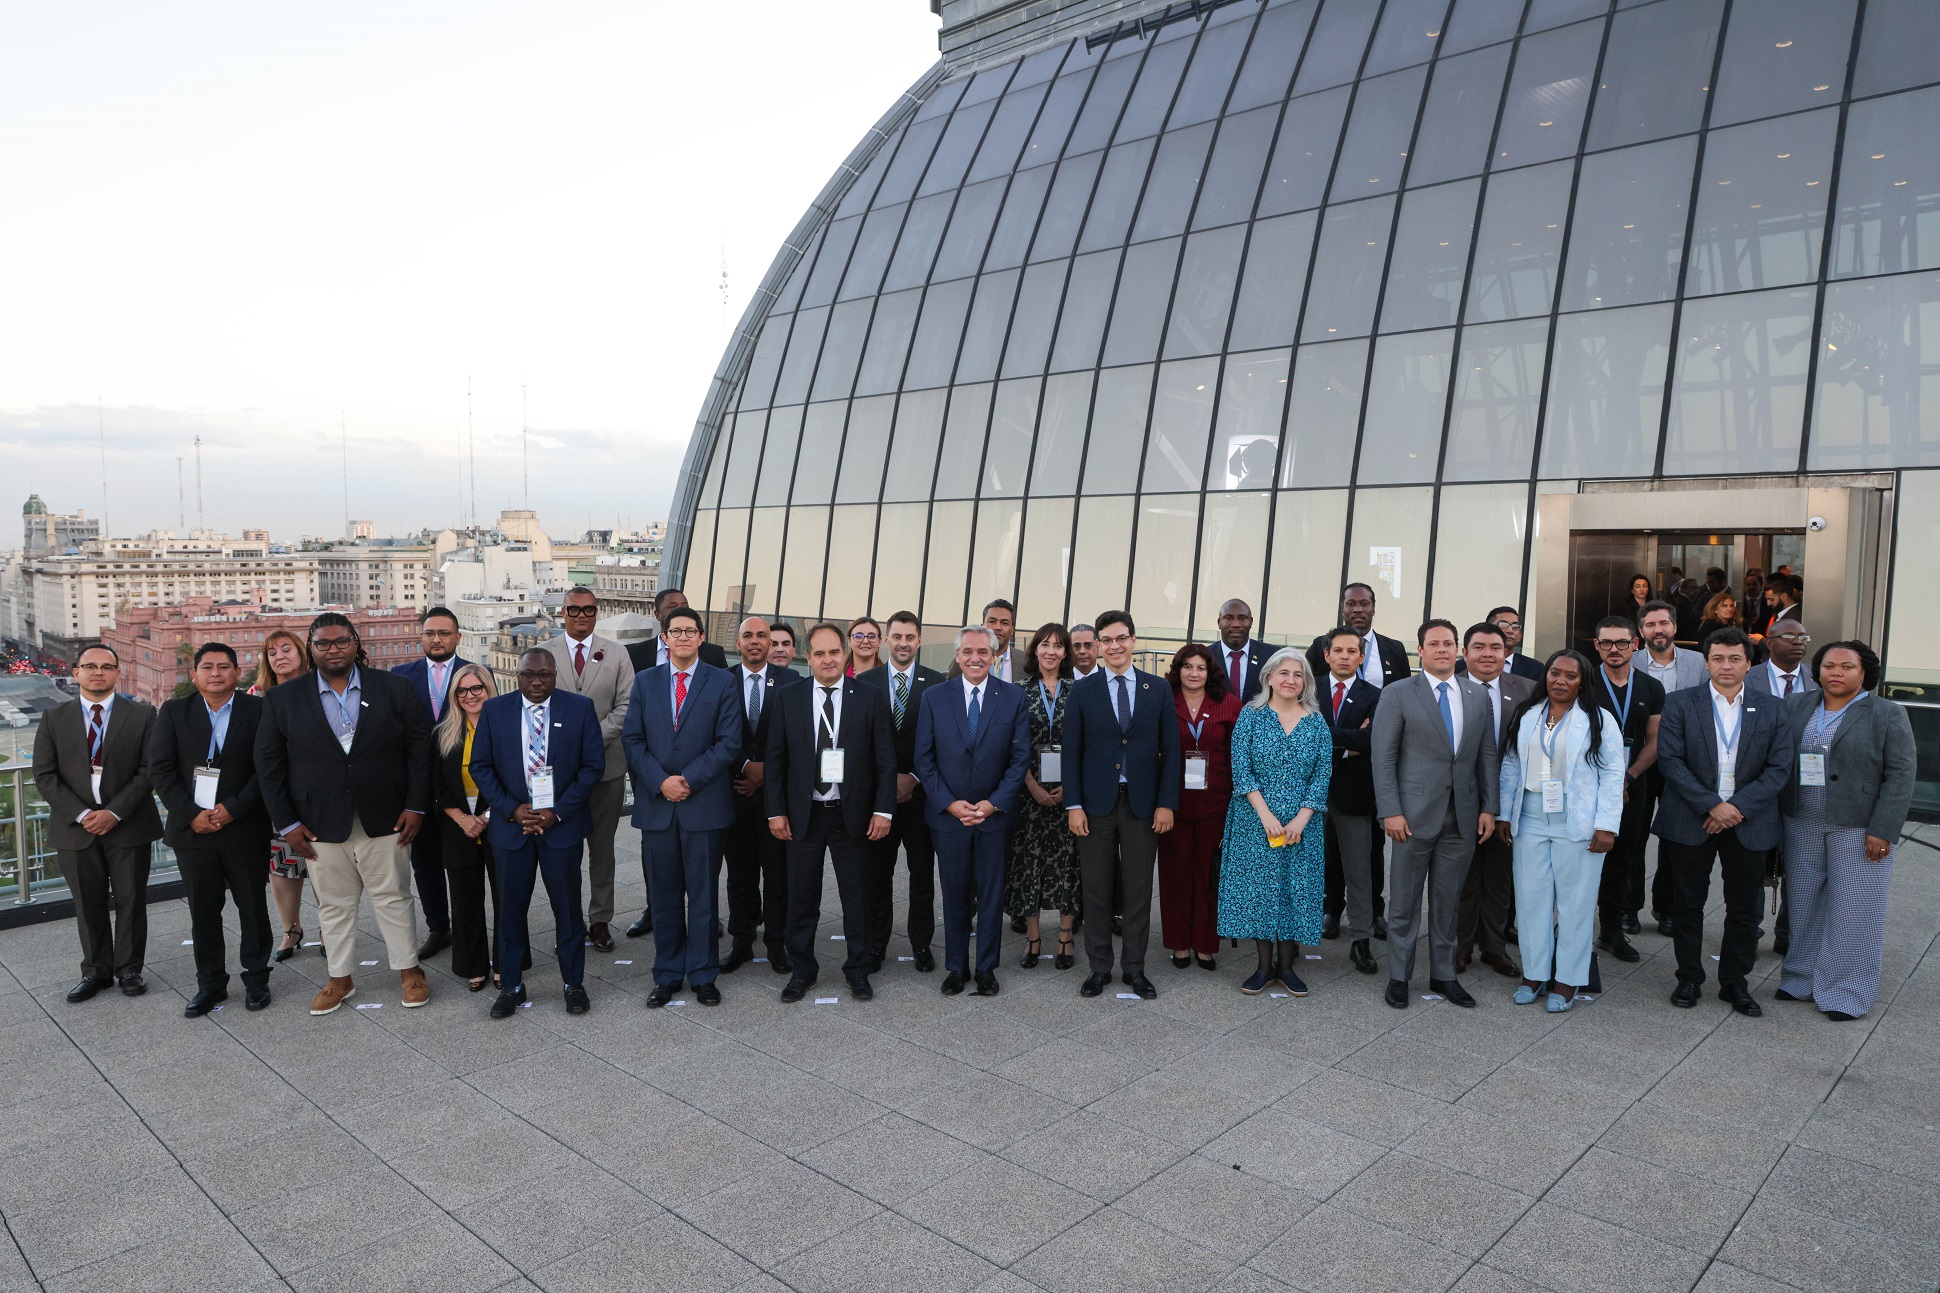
(1925, 715)
(30, 868)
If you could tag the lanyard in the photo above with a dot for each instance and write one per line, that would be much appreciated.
(1197, 728)
(1629, 694)
(1820, 718)
(1050, 701)
(1546, 738)
(1730, 743)
(344, 711)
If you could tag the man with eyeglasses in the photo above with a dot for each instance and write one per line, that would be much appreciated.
(648, 652)
(865, 645)
(1783, 675)
(1675, 669)
(91, 767)
(1636, 701)
(430, 677)
(586, 664)
(903, 683)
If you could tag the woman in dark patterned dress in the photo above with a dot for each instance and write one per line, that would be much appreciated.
(1043, 869)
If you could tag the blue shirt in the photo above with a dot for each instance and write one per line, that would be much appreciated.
(341, 711)
(219, 725)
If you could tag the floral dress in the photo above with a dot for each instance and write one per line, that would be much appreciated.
(1043, 870)
(1264, 892)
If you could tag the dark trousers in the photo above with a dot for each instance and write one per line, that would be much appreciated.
(1334, 899)
(1117, 860)
(1744, 886)
(232, 861)
(1622, 887)
(470, 870)
(681, 886)
(757, 877)
(1189, 884)
(104, 878)
(1660, 885)
(827, 833)
(558, 868)
(970, 863)
(909, 832)
(1486, 896)
(428, 869)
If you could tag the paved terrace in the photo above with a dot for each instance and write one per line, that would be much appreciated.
(1033, 1141)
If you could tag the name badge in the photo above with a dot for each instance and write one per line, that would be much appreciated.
(345, 738)
(1727, 784)
(1811, 769)
(540, 785)
(1552, 796)
(471, 805)
(1195, 770)
(205, 787)
(832, 763)
(1050, 765)
(94, 780)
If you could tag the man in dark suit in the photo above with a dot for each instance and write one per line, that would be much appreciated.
(1347, 702)
(973, 746)
(1121, 788)
(537, 757)
(1489, 892)
(1783, 675)
(1635, 702)
(757, 862)
(1239, 653)
(682, 740)
(91, 767)
(1516, 665)
(1723, 766)
(202, 761)
(649, 652)
(903, 682)
(430, 677)
(343, 759)
(831, 791)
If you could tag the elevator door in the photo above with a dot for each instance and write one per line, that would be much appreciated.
(1601, 568)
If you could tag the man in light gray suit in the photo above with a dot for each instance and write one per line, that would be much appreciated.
(1674, 666)
(1435, 768)
(599, 669)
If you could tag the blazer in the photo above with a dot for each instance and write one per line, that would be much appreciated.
(1592, 789)
(1525, 667)
(1257, 654)
(645, 654)
(1515, 690)
(754, 736)
(951, 766)
(705, 748)
(1394, 659)
(1416, 774)
(1350, 785)
(418, 673)
(180, 744)
(306, 777)
(574, 748)
(1690, 670)
(1687, 755)
(922, 678)
(1096, 753)
(607, 682)
(1869, 770)
(64, 777)
(1759, 679)
(793, 767)
(1216, 743)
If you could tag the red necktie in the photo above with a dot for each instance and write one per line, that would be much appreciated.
(1340, 690)
(579, 657)
(1236, 671)
(680, 695)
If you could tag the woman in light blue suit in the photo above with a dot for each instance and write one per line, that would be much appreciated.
(1562, 801)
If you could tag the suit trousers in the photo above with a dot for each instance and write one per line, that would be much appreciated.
(1336, 901)
(1350, 835)
(428, 869)
(1660, 884)
(827, 833)
(605, 806)
(1486, 898)
(971, 866)
(341, 874)
(681, 889)
(1622, 889)
(910, 833)
(1554, 874)
(558, 868)
(470, 870)
(1189, 884)
(757, 877)
(1439, 863)
(1743, 873)
(1839, 906)
(104, 878)
(1116, 860)
(232, 861)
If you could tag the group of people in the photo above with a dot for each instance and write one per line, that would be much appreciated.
(1275, 793)
(1700, 609)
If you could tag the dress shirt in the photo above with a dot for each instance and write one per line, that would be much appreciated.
(1665, 673)
(1454, 703)
(674, 672)
(1777, 676)
(437, 678)
(526, 711)
(1000, 665)
(219, 723)
(982, 690)
(1079, 675)
(87, 718)
(1231, 659)
(833, 694)
(660, 650)
(1345, 685)
(341, 711)
(746, 676)
(1494, 687)
(1371, 670)
(1727, 716)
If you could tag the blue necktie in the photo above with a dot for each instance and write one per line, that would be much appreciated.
(1448, 717)
(976, 713)
(1124, 704)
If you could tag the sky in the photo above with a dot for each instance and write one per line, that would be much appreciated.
(300, 233)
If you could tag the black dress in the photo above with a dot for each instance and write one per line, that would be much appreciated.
(470, 871)
(1043, 869)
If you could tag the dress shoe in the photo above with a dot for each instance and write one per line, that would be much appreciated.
(641, 927)
(1631, 925)
(707, 994)
(1616, 944)
(508, 1002)
(1256, 982)
(795, 991)
(1381, 928)
(1016, 924)
(1064, 960)
(1782, 995)
(86, 988)
(577, 1003)
(333, 994)
(986, 984)
(1558, 1003)
(204, 1001)
(1397, 994)
(599, 936)
(925, 961)
(1502, 965)
(1686, 996)
(435, 942)
(1839, 1016)
(132, 985)
(1094, 985)
(1741, 1000)
(738, 955)
(1524, 994)
(256, 998)
(1291, 982)
(1330, 926)
(952, 984)
(1362, 956)
(1461, 962)
(1453, 992)
(295, 934)
(1664, 925)
(662, 993)
(1138, 983)
(1118, 927)
(859, 988)
(417, 990)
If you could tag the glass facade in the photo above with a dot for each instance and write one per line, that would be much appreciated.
(1308, 290)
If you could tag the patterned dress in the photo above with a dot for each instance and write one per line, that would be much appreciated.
(1043, 869)
(1264, 892)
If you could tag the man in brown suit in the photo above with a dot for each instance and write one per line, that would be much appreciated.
(91, 766)
(599, 669)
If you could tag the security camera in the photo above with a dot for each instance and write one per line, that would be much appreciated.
(1816, 524)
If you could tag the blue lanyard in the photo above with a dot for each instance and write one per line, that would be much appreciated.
(1197, 728)
(1629, 694)
(1817, 735)
(1730, 743)
(1546, 738)
(344, 711)
(1050, 702)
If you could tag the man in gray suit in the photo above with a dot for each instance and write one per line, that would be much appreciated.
(599, 669)
(1673, 666)
(1435, 770)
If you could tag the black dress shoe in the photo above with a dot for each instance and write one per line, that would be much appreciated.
(1381, 928)
(1397, 994)
(1840, 1016)
(1452, 992)
(1631, 925)
(576, 1000)
(1138, 983)
(204, 1001)
(1330, 926)
(1741, 1000)
(1094, 985)
(641, 927)
(1617, 945)
(986, 984)
(1783, 995)
(256, 998)
(508, 1002)
(1362, 956)
(662, 993)
(86, 988)
(599, 937)
(132, 985)
(925, 961)
(795, 991)
(1686, 996)
(1016, 924)
(1664, 925)
(953, 984)
(1510, 934)
(778, 961)
(708, 995)
(435, 942)
(738, 955)
(859, 988)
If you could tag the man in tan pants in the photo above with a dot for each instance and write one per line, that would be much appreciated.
(599, 669)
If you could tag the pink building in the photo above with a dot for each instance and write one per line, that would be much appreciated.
(156, 643)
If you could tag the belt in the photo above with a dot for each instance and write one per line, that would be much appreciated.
(826, 805)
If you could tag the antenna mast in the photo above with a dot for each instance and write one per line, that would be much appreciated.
(101, 428)
(525, 448)
(200, 522)
(471, 438)
(181, 504)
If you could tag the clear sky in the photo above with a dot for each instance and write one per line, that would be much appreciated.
(244, 221)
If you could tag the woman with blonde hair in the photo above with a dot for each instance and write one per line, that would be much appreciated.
(462, 817)
(284, 656)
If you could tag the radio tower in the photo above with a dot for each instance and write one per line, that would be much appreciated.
(200, 522)
(181, 504)
(471, 440)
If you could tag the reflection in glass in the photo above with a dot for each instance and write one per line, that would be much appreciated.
(1889, 187)
(1057, 230)
(910, 265)
(700, 558)
(1054, 122)
(1479, 531)
(820, 451)
(1174, 183)
(1012, 424)
(898, 578)
(1297, 175)
(1276, 278)
(1168, 537)
(1116, 197)
(872, 253)
(758, 390)
(1252, 398)
(964, 429)
(1519, 244)
(1878, 402)
(1100, 563)
(1389, 550)
(1061, 434)
(717, 462)
(778, 458)
(1656, 72)
(899, 184)
(938, 333)
(1548, 91)
(1498, 394)
(1138, 315)
(993, 561)
(1203, 300)
(865, 449)
(767, 532)
(1232, 557)
(997, 155)
(744, 457)
(1409, 30)
(1627, 238)
(1761, 205)
(1782, 55)
(912, 448)
(1896, 47)
(948, 567)
(730, 558)
(1046, 561)
(831, 262)
(1455, 126)
(1118, 430)
(1210, 75)
(1738, 396)
(1100, 111)
(1324, 414)
(1274, 54)
(804, 554)
(1606, 392)
(1407, 395)
(1175, 446)
(1554, 13)
(1158, 80)
(1303, 572)
(1035, 319)
(852, 536)
(1087, 301)
(1476, 23)
(1019, 220)
(1378, 135)
(1347, 270)
(1430, 255)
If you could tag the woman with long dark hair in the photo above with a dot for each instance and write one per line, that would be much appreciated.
(1189, 852)
(1043, 869)
(1639, 597)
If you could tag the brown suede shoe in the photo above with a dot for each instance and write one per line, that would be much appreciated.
(1461, 962)
(416, 990)
(599, 936)
(333, 995)
(1501, 964)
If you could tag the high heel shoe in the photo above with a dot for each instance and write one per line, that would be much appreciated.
(285, 953)
(1032, 948)
(1181, 962)
(1064, 960)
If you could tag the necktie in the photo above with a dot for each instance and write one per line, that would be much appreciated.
(1340, 692)
(538, 741)
(825, 734)
(437, 690)
(680, 694)
(1124, 704)
(900, 702)
(754, 699)
(1236, 672)
(1788, 684)
(215, 746)
(579, 657)
(94, 737)
(976, 713)
(1448, 715)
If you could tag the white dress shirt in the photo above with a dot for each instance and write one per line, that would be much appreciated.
(1727, 716)
(1079, 675)
(1454, 702)
(673, 684)
(981, 690)
(834, 692)
(1777, 677)
(87, 718)
(1372, 672)
(758, 676)
(1494, 687)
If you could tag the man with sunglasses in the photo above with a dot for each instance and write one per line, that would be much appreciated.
(1636, 701)
(430, 677)
(597, 668)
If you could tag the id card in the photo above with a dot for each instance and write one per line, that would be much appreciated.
(1195, 770)
(94, 780)
(832, 762)
(1811, 769)
(540, 784)
(345, 738)
(1050, 765)
(205, 787)
(1727, 784)
(1552, 796)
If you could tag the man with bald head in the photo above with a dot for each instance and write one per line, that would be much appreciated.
(1240, 654)
(757, 862)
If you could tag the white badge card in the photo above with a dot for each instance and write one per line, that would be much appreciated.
(1552, 796)
(471, 805)
(540, 784)
(1727, 784)
(94, 780)
(345, 738)
(205, 787)
(1811, 769)
(832, 766)
(1050, 765)
(1195, 770)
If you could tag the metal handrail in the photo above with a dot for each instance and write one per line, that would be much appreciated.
(30, 852)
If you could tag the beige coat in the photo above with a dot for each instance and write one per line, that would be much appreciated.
(607, 682)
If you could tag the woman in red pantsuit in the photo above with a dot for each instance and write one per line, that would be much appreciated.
(1189, 852)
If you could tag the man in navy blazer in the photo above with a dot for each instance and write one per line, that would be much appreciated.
(1121, 738)
(430, 677)
(1239, 653)
(537, 757)
(973, 746)
(1347, 702)
(683, 743)
(1724, 765)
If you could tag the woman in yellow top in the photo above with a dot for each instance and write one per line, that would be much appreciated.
(468, 857)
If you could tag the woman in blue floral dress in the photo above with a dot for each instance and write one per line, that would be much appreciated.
(1282, 757)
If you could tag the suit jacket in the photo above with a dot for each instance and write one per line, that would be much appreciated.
(418, 673)
(607, 682)
(180, 744)
(575, 749)
(951, 766)
(1394, 659)
(922, 678)
(1018, 661)
(1350, 787)
(1526, 667)
(306, 776)
(645, 654)
(1096, 753)
(64, 778)
(1760, 681)
(1257, 654)
(1515, 690)
(1592, 789)
(1687, 755)
(754, 736)
(1690, 670)
(793, 767)
(1869, 769)
(1415, 771)
(705, 748)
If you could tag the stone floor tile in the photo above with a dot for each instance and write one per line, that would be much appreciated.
(210, 1257)
(110, 1217)
(1487, 1279)
(1737, 1153)
(1888, 1204)
(772, 1215)
(1441, 1072)
(687, 1161)
(1234, 1213)
(1891, 1143)
(439, 1253)
(1573, 1253)
(1332, 1250)
(891, 1158)
(1185, 1114)
(1114, 1250)
(886, 1254)
(1721, 1277)
(1363, 1107)
(366, 1206)
(1312, 1158)
(1073, 1071)
(998, 1209)
(1814, 1252)
(1525, 1156)
(1449, 1209)
(683, 1258)
(1095, 1155)
(556, 1213)
(1674, 1207)
(988, 1111)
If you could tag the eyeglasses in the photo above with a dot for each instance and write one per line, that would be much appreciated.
(533, 674)
(582, 612)
(1116, 639)
(476, 689)
(682, 633)
(110, 667)
(1612, 644)
(331, 644)
(865, 637)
